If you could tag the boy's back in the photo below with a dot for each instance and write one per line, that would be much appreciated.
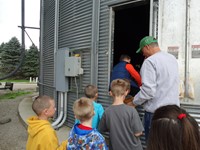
(122, 122)
(41, 135)
(98, 109)
(82, 135)
(80, 138)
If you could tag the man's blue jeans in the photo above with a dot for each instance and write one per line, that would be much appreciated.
(147, 123)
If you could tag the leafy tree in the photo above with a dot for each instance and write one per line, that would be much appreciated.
(31, 63)
(10, 56)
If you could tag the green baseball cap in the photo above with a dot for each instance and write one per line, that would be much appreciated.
(146, 41)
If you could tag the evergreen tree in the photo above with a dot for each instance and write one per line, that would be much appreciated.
(31, 63)
(1, 50)
(10, 56)
(2, 47)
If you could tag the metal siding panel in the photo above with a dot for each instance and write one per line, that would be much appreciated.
(48, 47)
(103, 48)
(75, 25)
(48, 91)
(70, 114)
(193, 110)
(75, 31)
(86, 67)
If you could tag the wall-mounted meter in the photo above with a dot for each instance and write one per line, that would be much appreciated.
(73, 66)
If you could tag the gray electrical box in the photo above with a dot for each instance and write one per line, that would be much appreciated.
(73, 66)
(61, 81)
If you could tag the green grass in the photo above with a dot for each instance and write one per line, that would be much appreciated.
(14, 94)
(14, 80)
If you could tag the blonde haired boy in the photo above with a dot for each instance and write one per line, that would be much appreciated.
(83, 136)
(121, 121)
(91, 92)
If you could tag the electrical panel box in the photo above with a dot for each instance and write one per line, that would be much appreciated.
(73, 66)
(61, 82)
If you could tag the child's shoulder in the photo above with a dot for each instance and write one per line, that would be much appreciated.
(97, 104)
(122, 107)
(131, 109)
(97, 134)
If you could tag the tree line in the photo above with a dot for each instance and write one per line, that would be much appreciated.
(10, 53)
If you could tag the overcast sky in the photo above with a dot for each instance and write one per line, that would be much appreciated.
(10, 19)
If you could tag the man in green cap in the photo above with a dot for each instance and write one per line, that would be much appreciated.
(160, 80)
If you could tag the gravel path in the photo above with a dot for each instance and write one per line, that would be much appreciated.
(13, 135)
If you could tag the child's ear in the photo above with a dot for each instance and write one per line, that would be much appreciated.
(110, 93)
(96, 95)
(45, 111)
(126, 93)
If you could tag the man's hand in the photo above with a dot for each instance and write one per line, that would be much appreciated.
(131, 104)
(129, 101)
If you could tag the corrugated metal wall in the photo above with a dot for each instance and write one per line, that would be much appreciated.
(193, 110)
(47, 49)
(75, 24)
(103, 55)
(75, 32)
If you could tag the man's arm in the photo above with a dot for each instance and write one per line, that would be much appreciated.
(138, 134)
(134, 74)
(148, 88)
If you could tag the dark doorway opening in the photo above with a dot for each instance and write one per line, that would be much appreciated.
(130, 25)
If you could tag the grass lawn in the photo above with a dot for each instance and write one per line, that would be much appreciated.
(14, 80)
(14, 94)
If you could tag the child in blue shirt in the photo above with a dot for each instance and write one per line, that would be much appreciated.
(91, 92)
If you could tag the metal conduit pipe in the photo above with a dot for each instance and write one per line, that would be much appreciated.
(41, 44)
(187, 50)
(60, 116)
(65, 112)
(56, 36)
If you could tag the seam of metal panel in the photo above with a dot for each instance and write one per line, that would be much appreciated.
(122, 3)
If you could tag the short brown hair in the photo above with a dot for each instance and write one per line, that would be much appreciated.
(83, 109)
(124, 56)
(118, 87)
(90, 91)
(40, 103)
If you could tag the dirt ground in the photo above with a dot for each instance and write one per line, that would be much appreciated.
(13, 135)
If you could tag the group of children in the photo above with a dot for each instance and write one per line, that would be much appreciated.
(121, 121)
